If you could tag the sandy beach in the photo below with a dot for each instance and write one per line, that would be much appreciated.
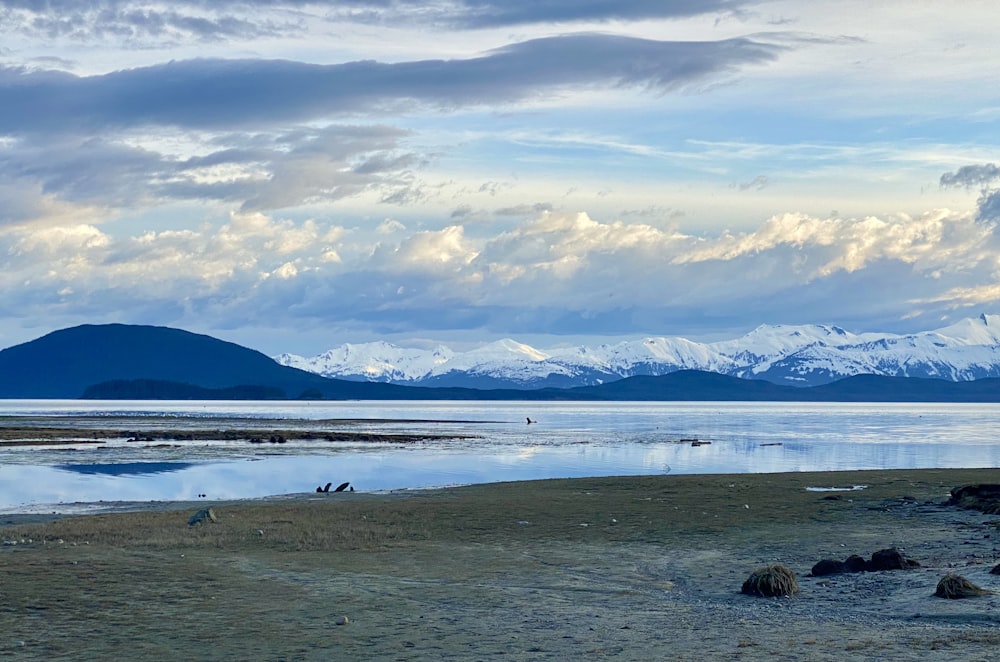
(638, 568)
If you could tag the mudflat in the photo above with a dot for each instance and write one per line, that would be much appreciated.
(635, 568)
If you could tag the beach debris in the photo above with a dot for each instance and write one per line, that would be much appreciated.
(203, 515)
(771, 581)
(828, 567)
(982, 496)
(341, 620)
(855, 563)
(891, 559)
(954, 587)
(885, 559)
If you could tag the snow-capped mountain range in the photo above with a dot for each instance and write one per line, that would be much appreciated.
(806, 355)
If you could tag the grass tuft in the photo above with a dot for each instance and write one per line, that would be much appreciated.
(954, 587)
(775, 580)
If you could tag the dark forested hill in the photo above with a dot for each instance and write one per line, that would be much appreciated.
(63, 364)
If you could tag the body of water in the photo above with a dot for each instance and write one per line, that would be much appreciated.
(483, 442)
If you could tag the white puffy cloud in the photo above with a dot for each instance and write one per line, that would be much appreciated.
(556, 271)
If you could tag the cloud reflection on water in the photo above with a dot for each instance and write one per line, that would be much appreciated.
(572, 440)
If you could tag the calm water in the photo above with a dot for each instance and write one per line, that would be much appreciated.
(568, 440)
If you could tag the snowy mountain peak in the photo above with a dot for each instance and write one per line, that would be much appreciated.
(801, 355)
(982, 330)
(508, 348)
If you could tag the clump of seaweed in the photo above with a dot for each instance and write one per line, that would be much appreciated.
(954, 586)
(775, 580)
(983, 496)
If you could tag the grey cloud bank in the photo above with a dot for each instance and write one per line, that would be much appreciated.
(218, 94)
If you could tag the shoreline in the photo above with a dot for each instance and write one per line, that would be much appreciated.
(644, 567)
(840, 484)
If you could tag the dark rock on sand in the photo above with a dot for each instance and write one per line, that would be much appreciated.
(828, 567)
(891, 559)
(855, 563)
(852, 563)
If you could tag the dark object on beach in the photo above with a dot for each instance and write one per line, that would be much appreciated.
(203, 515)
(852, 563)
(828, 567)
(954, 586)
(890, 559)
(342, 487)
(984, 497)
(855, 563)
(775, 580)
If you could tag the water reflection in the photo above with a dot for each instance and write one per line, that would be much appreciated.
(126, 468)
(570, 440)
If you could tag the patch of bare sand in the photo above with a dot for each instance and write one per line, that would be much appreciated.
(629, 569)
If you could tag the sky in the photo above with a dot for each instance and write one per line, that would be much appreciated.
(292, 175)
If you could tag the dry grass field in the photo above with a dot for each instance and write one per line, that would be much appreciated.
(638, 568)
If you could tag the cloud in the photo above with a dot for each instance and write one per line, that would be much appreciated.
(988, 205)
(557, 273)
(215, 94)
(983, 176)
(254, 171)
(139, 22)
(271, 134)
(971, 175)
(757, 183)
(524, 210)
(496, 13)
(142, 23)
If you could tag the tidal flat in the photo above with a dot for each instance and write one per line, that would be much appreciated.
(646, 567)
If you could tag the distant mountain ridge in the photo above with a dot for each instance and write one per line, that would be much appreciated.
(806, 355)
(118, 361)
